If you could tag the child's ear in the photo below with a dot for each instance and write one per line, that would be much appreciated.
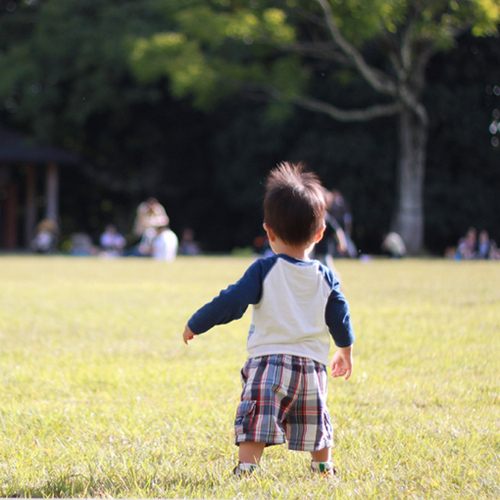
(319, 234)
(270, 232)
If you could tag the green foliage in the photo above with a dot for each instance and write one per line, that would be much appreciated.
(237, 23)
(66, 80)
(171, 53)
(203, 32)
(406, 34)
(362, 21)
(487, 17)
(100, 397)
(70, 63)
(213, 52)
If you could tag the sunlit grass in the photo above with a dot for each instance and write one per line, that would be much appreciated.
(99, 397)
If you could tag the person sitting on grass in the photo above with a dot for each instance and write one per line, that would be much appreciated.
(297, 306)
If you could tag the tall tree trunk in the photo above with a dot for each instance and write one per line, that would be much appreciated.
(408, 219)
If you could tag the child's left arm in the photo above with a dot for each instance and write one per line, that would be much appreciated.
(342, 362)
(338, 320)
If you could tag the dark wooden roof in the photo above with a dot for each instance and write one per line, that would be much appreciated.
(16, 148)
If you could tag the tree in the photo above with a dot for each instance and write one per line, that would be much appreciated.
(66, 80)
(271, 49)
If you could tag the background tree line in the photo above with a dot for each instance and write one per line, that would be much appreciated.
(66, 77)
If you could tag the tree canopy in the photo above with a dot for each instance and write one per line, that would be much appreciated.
(274, 49)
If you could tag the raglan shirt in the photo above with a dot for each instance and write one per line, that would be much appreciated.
(297, 304)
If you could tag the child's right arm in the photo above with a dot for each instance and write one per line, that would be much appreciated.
(187, 335)
(230, 304)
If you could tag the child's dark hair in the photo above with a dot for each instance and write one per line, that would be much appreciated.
(294, 204)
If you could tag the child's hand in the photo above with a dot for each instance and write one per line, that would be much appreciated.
(342, 362)
(187, 335)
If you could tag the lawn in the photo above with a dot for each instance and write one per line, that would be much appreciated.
(99, 397)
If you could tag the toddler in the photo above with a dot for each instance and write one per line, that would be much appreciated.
(297, 306)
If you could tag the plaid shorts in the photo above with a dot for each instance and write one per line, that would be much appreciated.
(284, 400)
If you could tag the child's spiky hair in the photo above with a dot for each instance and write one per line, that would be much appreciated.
(294, 204)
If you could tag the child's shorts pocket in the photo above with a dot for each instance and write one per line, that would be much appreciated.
(244, 416)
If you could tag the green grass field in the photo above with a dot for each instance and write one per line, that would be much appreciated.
(99, 397)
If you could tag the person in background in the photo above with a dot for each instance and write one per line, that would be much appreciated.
(340, 211)
(150, 214)
(188, 245)
(81, 245)
(165, 244)
(393, 245)
(45, 240)
(467, 246)
(111, 241)
(333, 242)
(486, 247)
(144, 248)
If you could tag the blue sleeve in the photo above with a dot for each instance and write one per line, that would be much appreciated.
(231, 303)
(338, 317)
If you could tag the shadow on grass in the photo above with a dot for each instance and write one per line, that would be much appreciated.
(79, 486)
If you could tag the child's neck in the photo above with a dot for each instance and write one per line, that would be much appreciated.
(299, 253)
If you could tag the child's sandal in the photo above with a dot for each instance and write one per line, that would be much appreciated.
(245, 470)
(324, 468)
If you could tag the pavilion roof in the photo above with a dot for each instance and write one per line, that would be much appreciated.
(17, 148)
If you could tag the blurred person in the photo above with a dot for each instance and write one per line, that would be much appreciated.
(494, 251)
(332, 243)
(111, 241)
(144, 248)
(188, 246)
(45, 240)
(339, 209)
(261, 245)
(486, 247)
(467, 245)
(450, 252)
(164, 246)
(483, 245)
(81, 245)
(393, 245)
(150, 214)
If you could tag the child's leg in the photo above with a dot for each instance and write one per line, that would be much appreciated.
(250, 453)
(323, 455)
(321, 462)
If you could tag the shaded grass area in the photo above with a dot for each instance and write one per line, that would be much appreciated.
(100, 397)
